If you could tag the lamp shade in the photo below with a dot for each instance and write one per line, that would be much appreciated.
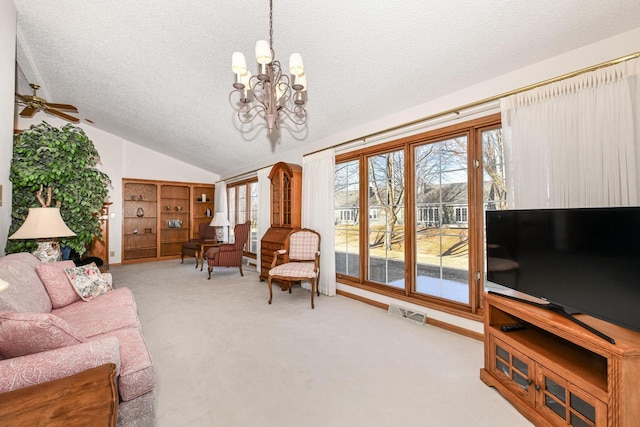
(295, 64)
(43, 223)
(219, 220)
(263, 52)
(238, 64)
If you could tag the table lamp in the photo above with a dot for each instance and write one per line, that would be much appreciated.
(219, 220)
(44, 225)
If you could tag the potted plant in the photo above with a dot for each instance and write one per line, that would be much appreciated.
(63, 159)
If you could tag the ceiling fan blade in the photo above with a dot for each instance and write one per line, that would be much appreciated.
(65, 107)
(63, 115)
(24, 98)
(28, 112)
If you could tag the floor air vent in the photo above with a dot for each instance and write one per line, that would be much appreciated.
(414, 316)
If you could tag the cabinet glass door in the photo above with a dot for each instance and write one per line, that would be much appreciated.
(567, 404)
(514, 367)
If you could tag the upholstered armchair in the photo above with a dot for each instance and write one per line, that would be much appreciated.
(193, 246)
(229, 254)
(301, 261)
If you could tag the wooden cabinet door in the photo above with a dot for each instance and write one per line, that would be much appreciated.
(565, 404)
(515, 369)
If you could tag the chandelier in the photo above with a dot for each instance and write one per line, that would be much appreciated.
(271, 93)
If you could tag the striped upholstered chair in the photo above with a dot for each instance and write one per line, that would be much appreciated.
(301, 261)
(229, 254)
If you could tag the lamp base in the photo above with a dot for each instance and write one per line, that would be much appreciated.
(48, 251)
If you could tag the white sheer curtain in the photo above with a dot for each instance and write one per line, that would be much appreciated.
(317, 212)
(220, 204)
(575, 143)
(264, 207)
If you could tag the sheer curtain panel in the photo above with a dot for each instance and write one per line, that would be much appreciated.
(575, 143)
(317, 212)
(264, 208)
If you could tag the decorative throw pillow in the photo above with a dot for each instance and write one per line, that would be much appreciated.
(28, 333)
(87, 281)
(57, 283)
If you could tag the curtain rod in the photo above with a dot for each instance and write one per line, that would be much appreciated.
(473, 104)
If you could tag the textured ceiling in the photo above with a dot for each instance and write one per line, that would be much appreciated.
(158, 73)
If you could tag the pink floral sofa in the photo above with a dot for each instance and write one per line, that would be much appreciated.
(47, 332)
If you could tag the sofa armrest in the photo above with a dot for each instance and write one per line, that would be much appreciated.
(38, 368)
(108, 277)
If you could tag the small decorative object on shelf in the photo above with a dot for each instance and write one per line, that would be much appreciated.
(135, 231)
(175, 223)
(140, 197)
(134, 197)
(167, 208)
(207, 212)
(140, 212)
(147, 231)
(178, 208)
(203, 198)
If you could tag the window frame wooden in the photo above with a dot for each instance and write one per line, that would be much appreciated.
(472, 129)
(247, 184)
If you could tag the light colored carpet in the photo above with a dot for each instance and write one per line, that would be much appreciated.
(224, 357)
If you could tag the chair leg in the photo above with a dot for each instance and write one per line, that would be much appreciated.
(197, 259)
(240, 267)
(210, 269)
(313, 290)
(182, 258)
(270, 289)
(318, 284)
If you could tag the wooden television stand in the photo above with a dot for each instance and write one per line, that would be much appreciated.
(557, 373)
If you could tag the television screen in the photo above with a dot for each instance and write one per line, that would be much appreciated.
(586, 260)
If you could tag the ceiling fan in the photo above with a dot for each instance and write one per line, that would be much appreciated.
(34, 103)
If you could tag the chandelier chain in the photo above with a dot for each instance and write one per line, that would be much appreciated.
(271, 24)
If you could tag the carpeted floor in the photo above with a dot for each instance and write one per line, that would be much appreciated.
(224, 357)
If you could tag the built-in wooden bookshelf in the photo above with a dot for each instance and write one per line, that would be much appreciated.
(158, 216)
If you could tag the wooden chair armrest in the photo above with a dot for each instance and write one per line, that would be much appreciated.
(275, 256)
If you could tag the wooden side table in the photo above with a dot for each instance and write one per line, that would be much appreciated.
(87, 398)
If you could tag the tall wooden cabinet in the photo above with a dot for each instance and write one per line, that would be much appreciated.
(158, 216)
(286, 211)
(557, 373)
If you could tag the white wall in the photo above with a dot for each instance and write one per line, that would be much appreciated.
(7, 89)
(120, 159)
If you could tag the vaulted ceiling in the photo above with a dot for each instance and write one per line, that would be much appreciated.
(159, 73)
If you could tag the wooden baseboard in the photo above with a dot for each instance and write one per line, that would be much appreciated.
(433, 322)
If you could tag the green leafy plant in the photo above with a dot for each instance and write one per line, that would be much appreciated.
(63, 159)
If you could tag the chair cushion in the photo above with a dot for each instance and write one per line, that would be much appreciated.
(57, 283)
(294, 269)
(90, 319)
(29, 333)
(303, 245)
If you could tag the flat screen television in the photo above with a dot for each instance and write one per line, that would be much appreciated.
(583, 260)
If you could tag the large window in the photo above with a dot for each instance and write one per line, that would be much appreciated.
(243, 202)
(425, 196)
